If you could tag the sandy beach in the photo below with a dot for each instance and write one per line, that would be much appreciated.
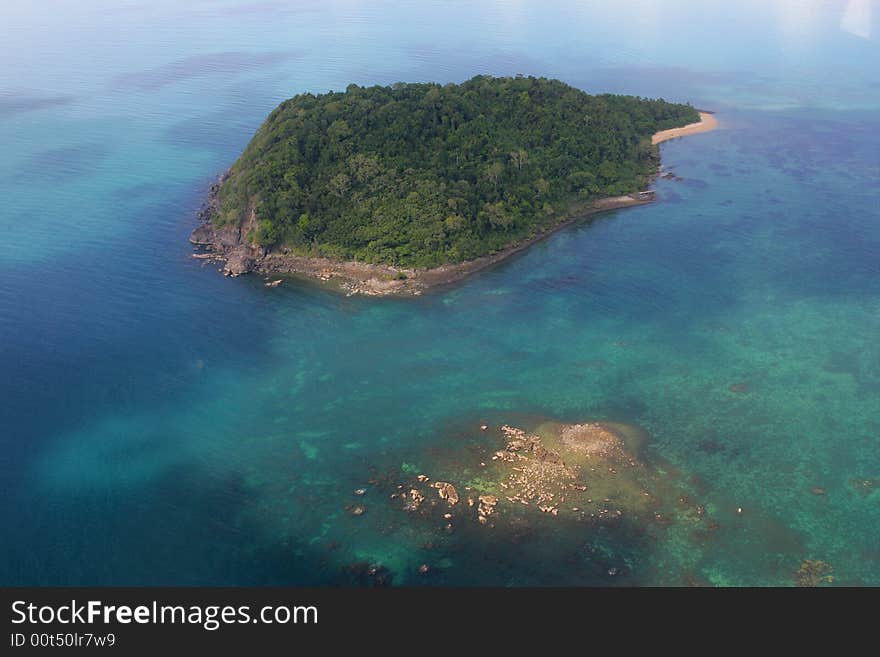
(707, 122)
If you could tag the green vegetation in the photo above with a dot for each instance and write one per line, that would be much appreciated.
(424, 174)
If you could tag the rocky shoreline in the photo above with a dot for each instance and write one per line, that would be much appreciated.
(228, 246)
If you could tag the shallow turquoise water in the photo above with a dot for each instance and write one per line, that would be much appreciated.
(163, 424)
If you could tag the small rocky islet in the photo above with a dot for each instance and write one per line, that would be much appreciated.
(584, 499)
(557, 484)
(589, 472)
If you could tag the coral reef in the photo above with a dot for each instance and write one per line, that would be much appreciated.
(588, 472)
(813, 572)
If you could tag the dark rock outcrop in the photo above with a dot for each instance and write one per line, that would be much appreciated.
(203, 235)
(226, 243)
(240, 261)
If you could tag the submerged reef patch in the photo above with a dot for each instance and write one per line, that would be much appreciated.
(580, 487)
(589, 472)
(813, 572)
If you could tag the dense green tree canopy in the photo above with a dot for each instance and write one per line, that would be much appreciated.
(423, 174)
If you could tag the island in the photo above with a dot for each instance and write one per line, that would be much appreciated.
(396, 189)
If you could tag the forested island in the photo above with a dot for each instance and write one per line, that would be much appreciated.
(393, 189)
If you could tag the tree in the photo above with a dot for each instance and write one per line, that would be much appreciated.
(339, 185)
(422, 174)
(493, 172)
(497, 216)
(267, 233)
(519, 158)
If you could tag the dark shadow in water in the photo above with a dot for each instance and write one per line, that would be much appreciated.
(62, 165)
(132, 535)
(14, 102)
(220, 63)
(668, 196)
(695, 183)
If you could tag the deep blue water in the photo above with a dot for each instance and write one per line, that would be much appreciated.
(162, 424)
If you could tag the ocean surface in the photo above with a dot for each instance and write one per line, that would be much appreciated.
(162, 424)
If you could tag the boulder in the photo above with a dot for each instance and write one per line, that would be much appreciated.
(240, 262)
(487, 505)
(204, 235)
(220, 238)
(413, 500)
(446, 491)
